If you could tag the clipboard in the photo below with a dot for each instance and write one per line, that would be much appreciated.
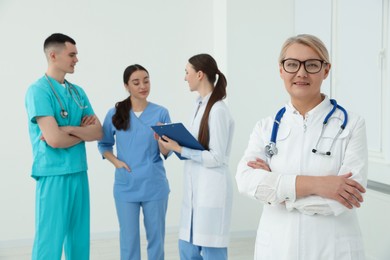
(178, 132)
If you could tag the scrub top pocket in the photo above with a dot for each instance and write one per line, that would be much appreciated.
(121, 176)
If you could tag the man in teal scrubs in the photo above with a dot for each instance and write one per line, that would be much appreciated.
(61, 120)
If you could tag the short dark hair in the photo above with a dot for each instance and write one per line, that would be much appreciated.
(57, 39)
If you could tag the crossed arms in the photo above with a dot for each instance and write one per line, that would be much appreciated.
(90, 129)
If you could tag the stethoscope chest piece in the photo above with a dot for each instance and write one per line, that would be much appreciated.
(271, 150)
(64, 113)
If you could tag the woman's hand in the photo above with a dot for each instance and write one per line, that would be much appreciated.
(259, 164)
(155, 135)
(115, 161)
(343, 189)
(119, 164)
(340, 188)
(163, 149)
(169, 144)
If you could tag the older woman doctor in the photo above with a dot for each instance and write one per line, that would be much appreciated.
(312, 174)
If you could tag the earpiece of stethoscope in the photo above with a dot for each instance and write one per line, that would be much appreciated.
(322, 153)
(342, 127)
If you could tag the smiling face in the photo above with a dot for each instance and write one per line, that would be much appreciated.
(303, 86)
(138, 85)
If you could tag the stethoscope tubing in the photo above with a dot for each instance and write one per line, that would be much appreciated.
(64, 113)
(335, 106)
(271, 148)
(277, 121)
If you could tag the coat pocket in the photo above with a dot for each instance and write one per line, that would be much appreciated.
(262, 248)
(212, 188)
(349, 247)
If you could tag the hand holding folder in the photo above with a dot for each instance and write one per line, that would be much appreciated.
(180, 134)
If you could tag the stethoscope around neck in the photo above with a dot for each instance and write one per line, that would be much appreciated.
(271, 149)
(64, 114)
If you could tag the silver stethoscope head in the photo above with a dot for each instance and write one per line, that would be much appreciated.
(271, 150)
(64, 113)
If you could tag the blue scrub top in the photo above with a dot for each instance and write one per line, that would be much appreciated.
(40, 100)
(139, 150)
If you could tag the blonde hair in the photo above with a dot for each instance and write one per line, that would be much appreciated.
(308, 40)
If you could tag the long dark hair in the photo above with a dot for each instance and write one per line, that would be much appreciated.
(207, 64)
(121, 118)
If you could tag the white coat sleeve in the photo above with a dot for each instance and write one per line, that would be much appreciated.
(355, 160)
(221, 128)
(267, 187)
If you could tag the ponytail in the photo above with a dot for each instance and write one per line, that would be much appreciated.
(121, 118)
(207, 64)
(219, 93)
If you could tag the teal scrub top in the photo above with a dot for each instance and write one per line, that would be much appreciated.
(137, 147)
(40, 100)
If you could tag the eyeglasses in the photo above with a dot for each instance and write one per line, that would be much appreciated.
(311, 66)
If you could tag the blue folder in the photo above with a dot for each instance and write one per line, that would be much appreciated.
(180, 134)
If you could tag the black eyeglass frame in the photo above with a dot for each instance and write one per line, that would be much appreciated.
(304, 65)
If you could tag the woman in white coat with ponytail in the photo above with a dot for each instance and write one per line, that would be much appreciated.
(307, 165)
(207, 202)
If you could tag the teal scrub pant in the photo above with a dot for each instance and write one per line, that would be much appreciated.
(62, 217)
(154, 220)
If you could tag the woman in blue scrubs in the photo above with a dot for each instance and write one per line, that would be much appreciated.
(140, 179)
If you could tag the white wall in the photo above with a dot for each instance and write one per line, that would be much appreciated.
(244, 36)
(374, 218)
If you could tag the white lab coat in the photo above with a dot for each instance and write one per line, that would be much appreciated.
(312, 227)
(207, 195)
